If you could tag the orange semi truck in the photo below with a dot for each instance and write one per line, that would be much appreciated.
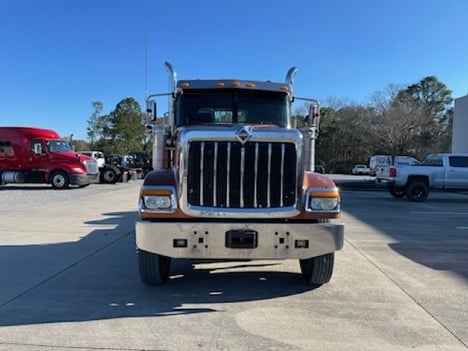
(35, 155)
(233, 179)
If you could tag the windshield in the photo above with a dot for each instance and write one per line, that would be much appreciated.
(433, 160)
(58, 145)
(232, 106)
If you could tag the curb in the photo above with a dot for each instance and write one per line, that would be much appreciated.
(360, 185)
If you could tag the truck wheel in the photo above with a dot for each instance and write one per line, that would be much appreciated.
(318, 270)
(154, 269)
(59, 180)
(109, 176)
(417, 191)
(397, 192)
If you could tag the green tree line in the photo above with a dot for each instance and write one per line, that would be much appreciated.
(412, 120)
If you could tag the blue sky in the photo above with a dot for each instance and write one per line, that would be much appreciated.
(57, 56)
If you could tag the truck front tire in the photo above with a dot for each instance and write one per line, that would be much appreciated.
(154, 269)
(417, 191)
(108, 176)
(318, 270)
(59, 180)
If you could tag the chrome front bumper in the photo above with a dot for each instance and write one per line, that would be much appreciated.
(210, 240)
(82, 179)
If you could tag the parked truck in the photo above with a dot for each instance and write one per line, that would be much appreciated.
(141, 163)
(383, 170)
(441, 171)
(108, 173)
(377, 161)
(232, 179)
(35, 155)
(124, 163)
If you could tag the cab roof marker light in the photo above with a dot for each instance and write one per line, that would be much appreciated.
(220, 84)
(284, 88)
(185, 84)
(250, 85)
(236, 84)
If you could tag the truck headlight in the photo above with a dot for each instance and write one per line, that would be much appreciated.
(323, 203)
(156, 199)
(322, 200)
(157, 202)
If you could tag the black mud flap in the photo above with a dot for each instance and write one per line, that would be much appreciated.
(241, 239)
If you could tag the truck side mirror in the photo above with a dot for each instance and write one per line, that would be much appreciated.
(149, 129)
(37, 148)
(151, 110)
(314, 116)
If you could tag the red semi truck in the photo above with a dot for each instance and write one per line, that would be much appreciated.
(35, 155)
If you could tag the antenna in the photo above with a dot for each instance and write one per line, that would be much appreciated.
(146, 64)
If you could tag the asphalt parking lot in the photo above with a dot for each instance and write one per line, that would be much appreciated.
(69, 281)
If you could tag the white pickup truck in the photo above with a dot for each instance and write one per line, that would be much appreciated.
(382, 171)
(438, 171)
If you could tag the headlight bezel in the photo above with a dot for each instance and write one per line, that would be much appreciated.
(322, 200)
(163, 193)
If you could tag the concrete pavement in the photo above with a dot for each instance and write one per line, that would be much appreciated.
(69, 280)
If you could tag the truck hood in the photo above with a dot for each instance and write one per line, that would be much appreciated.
(70, 155)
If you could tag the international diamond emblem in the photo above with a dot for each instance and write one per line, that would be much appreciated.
(243, 135)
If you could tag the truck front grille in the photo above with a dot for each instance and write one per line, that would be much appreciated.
(91, 166)
(231, 175)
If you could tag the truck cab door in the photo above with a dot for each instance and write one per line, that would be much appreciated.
(457, 172)
(38, 156)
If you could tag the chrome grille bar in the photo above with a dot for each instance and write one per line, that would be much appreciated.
(282, 175)
(256, 176)
(241, 191)
(202, 160)
(269, 176)
(228, 176)
(215, 173)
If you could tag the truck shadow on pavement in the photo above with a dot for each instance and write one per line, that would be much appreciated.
(96, 278)
(10, 187)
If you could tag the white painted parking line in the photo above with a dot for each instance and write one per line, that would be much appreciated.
(450, 213)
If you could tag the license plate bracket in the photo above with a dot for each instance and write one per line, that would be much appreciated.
(241, 239)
